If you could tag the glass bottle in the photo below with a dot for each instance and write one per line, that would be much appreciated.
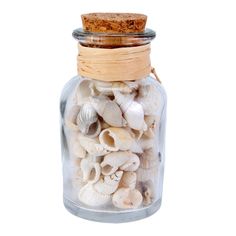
(113, 139)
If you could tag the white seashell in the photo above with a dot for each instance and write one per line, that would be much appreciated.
(108, 184)
(108, 110)
(107, 88)
(147, 190)
(89, 196)
(126, 161)
(85, 90)
(92, 146)
(136, 147)
(71, 116)
(149, 164)
(77, 179)
(132, 84)
(152, 121)
(127, 198)
(74, 146)
(150, 98)
(133, 111)
(128, 180)
(91, 171)
(146, 143)
(114, 139)
(87, 121)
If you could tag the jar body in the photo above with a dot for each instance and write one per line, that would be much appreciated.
(113, 140)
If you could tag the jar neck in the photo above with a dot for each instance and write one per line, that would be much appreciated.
(108, 40)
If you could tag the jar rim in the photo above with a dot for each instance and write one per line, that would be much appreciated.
(113, 39)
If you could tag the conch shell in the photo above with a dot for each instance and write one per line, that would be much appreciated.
(87, 121)
(150, 98)
(128, 180)
(114, 139)
(126, 161)
(133, 111)
(107, 88)
(108, 110)
(71, 116)
(85, 90)
(91, 171)
(126, 198)
(89, 196)
(108, 184)
(92, 145)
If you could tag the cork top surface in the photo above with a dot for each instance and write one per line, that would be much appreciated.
(114, 22)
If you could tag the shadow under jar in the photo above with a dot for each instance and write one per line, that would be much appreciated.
(113, 129)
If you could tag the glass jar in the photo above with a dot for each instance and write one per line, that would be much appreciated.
(113, 135)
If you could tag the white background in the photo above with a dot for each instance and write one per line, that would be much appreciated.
(195, 56)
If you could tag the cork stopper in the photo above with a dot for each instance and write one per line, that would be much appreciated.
(114, 22)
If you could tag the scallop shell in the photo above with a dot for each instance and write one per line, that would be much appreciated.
(75, 148)
(147, 190)
(128, 180)
(150, 98)
(71, 116)
(126, 161)
(87, 121)
(126, 198)
(89, 196)
(133, 111)
(85, 90)
(92, 146)
(107, 88)
(108, 184)
(108, 110)
(91, 171)
(114, 139)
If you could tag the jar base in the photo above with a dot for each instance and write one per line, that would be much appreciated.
(111, 217)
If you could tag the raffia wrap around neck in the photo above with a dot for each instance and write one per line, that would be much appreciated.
(116, 64)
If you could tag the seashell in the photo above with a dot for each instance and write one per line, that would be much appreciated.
(136, 148)
(91, 171)
(89, 196)
(85, 90)
(108, 110)
(128, 180)
(71, 116)
(149, 164)
(127, 198)
(152, 121)
(87, 121)
(134, 85)
(77, 179)
(108, 184)
(104, 125)
(107, 88)
(75, 148)
(133, 111)
(114, 139)
(147, 191)
(92, 146)
(126, 161)
(150, 98)
(146, 143)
